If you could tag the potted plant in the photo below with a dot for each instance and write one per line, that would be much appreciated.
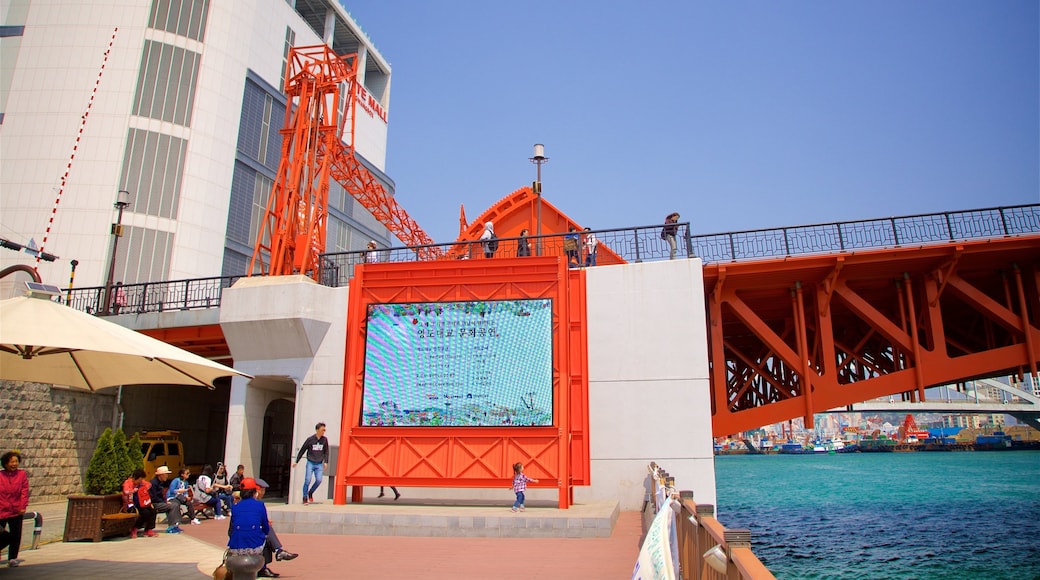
(99, 513)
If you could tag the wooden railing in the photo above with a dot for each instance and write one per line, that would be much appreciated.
(706, 549)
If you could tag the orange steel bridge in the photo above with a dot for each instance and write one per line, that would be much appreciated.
(794, 336)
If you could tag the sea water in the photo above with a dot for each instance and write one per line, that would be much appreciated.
(917, 515)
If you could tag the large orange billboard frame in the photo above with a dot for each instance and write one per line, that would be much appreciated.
(557, 455)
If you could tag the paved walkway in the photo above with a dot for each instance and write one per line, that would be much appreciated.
(197, 552)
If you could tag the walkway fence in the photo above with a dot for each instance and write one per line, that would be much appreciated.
(631, 244)
(703, 547)
(152, 296)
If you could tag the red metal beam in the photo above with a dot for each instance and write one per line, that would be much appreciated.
(795, 336)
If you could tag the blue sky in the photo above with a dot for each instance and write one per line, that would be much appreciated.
(739, 115)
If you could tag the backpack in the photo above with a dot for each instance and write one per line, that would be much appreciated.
(664, 233)
(199, 490)
(492, 245)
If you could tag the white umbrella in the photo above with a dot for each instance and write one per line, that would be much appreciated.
(46, 342)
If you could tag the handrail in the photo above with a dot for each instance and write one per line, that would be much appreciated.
(644, 243)
(893, 232)
(631, 244)
(614, 246)
(707, 550)
(163, 296)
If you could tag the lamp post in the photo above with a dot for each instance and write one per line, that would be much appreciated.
(538, 159)
(72, 278)
(122, 202)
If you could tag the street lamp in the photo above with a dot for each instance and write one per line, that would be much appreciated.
(538, 159)
(72, 278)
(122, 202)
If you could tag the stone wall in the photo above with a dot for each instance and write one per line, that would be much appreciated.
(55, 429)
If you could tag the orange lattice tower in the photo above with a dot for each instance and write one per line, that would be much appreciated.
(317, 147)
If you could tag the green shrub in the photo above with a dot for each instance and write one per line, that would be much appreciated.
(103, 471)
(133, 450)
(114, 460)
(122, 455)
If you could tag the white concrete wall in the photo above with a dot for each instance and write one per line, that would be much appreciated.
(649, 397)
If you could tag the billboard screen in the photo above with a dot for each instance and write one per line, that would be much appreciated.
(459, 364)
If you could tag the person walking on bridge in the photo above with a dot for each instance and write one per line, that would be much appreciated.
(668, 232)
(317, 449)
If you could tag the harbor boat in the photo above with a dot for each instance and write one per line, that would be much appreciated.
(877, 444)
(793, 448)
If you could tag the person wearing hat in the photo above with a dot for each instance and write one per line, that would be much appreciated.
(247, 533)
(250, 534)
(273, 549)
(160, 484)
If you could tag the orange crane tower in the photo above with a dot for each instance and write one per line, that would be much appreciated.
(316, 147)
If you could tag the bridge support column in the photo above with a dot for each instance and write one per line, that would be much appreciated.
(288, 332)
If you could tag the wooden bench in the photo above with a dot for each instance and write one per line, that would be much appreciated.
(95, 517)
(118, 524)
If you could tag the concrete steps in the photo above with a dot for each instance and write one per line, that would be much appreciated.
(435, 519)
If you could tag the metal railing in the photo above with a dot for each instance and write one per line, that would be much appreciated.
(707, 550)
(152, 296)
(631, 244)
(869, 234)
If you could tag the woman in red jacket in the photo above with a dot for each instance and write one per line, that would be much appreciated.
(14, 500)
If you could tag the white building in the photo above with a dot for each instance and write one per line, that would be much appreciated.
(180, 104)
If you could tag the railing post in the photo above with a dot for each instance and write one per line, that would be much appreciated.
(732, 249)
(895, 232)
(689, 243)
(735, 539)
(703, 538)
(841, 239)
(144, 298)
(949, 224)
(1003, 220)
(787, 244)
(639, 257)
(187, 288)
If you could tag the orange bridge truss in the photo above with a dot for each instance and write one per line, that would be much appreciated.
(793, 336)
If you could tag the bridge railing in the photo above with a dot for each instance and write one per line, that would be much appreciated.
(152, 296)
(632, 244)
(868, 234)
(706, 549)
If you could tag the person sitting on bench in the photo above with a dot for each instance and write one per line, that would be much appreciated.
(179, 495)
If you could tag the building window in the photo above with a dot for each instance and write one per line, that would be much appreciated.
(152, 171)
(144, 255)
(290, 40)
(261, 193)
(166, 83)
(182, 17)
(265, 129)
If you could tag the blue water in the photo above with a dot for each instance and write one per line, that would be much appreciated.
(911, 516)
